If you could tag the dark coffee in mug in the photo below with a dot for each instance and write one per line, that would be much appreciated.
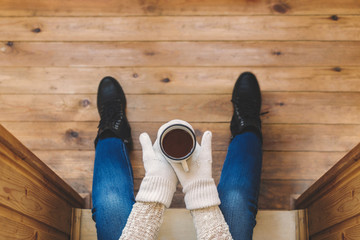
(178, 143)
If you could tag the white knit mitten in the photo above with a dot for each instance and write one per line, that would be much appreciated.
(198, 185)
(159, 183)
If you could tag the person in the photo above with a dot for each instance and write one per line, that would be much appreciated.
(225, 212)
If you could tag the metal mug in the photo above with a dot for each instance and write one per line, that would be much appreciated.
(188, 154)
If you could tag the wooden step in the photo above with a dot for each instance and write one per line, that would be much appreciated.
(280, 225)
(332, 202)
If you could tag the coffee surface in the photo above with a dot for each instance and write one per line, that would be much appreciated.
(177, 143)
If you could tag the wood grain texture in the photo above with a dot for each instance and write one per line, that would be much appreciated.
(18, 226)
(180, 28)
(338, 205)
(276, 165)
(175, 7)
(277, 137)
(179, 80)
(79, 135)
(14, 150)
(306, 55)
(349, 229)
(250, 53)
(282, 191)
(22, 193)
(327, 108)
(335, 175)
(76, 168)
(334, 198)
(34, 201)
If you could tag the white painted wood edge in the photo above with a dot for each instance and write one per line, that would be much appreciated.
(178, 224)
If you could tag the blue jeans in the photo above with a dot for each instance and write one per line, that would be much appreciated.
(113, 195)
(239, 184)
(113, 188)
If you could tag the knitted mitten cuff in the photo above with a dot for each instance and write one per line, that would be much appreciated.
(156, 189)
(201, 194)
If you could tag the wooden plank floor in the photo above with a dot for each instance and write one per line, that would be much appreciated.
(180, 59)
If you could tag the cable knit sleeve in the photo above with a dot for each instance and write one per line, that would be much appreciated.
(146, 218)
(144, 221)
(210, 224)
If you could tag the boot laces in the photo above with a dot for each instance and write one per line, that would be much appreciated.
(111, 114)
(245, 107)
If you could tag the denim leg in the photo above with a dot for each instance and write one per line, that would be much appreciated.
(239, 184)
(113, 188)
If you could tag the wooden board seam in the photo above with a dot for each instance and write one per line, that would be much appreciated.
(340, 173)
(36, 179)
(339, 224)
(36, 220)
(28, 158)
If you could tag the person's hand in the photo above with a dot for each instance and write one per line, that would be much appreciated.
(159, 183)
(198, 185)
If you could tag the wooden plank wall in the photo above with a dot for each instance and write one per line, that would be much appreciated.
(34, 202)
(332, 202)
(180, 59)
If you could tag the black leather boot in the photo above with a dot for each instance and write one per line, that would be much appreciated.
(111, 104)
(246, 99)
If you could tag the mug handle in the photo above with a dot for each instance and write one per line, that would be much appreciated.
(185, 166)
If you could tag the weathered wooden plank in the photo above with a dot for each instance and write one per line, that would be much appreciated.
(349, 229)
(334, 199)
(179, 80)
(15, 150)
(277, 137)
(353, 232)
(335, 175)
(338, 205)
(17, 226)
(32, 194)
(286, 107)
(274, 194)
(175, 7)
(76, 167)
(15, 230)
(249, 53)
(278, 194)
(71, 164)
(180, 28)
(297, 165)
(281, 190)
(22, 193)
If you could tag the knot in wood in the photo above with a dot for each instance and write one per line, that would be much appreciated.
(36, 30)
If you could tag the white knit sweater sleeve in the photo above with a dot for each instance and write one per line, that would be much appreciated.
(210, 224)
(146, 218)
(144, 221)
